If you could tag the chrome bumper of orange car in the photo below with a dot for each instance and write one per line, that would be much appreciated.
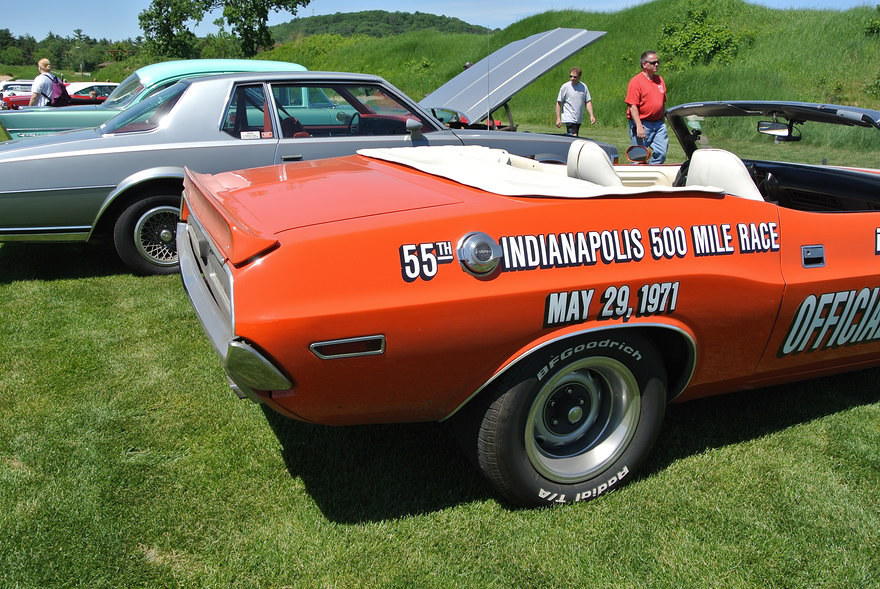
(211, 296)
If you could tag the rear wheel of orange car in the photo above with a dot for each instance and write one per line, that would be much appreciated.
(145, 235)
(575, 421)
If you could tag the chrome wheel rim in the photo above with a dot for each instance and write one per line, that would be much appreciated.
(582, 419)
(155, 233)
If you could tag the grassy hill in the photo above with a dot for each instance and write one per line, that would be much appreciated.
(810, 55)
(373, 23)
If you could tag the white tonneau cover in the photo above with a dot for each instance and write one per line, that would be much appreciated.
(499, 172)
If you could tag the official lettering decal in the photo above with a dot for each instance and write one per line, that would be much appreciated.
(877, 242)
(834, 319)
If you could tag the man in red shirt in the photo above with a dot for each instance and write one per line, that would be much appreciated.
(646, 107)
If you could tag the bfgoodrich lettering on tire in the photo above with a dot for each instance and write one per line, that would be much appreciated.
(574, 421)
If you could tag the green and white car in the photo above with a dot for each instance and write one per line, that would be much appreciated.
(143, 83)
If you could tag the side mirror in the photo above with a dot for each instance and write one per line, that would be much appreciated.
(414, 128)
(638, 154)
(779, 131)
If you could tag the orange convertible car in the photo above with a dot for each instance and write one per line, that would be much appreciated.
(550, 312)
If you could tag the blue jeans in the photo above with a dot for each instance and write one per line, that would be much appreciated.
(655, 138)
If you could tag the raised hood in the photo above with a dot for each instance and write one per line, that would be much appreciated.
(491, 82)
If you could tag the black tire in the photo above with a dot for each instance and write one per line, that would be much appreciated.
(145, 232)
(575, 421)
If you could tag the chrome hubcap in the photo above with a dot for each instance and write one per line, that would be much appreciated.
(582, 419)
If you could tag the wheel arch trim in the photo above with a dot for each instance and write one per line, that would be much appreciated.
(653, 330)
(135, 180)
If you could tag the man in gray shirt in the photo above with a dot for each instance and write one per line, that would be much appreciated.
(41, 89)
(570, 102)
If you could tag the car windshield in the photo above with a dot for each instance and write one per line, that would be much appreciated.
(148, 114)
(125, 92)
(810, 142)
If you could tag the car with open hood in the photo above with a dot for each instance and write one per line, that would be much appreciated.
(143, 83)
(123, 179)
(547, 313)
(486, 87)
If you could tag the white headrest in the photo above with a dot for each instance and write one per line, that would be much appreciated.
(588, 161)
(717, 167)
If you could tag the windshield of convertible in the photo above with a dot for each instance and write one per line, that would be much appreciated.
(147, 115)
(776, 138)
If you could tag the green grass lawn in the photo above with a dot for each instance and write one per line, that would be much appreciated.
(126, 462)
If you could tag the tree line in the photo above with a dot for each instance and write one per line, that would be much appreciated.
(242, 31)
(373, 23)
(78, 52)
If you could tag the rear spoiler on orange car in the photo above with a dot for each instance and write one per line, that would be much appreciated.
(238, 241)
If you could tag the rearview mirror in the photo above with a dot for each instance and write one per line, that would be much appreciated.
(780, 131)
(638, 154)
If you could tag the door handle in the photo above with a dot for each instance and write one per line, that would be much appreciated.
(292, 158)
(813, 256)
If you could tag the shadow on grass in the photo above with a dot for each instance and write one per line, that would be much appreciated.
(693, 427)
(375, 473)
(378, 472)
(57, 261)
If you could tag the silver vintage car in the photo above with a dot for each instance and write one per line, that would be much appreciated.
(124, 178)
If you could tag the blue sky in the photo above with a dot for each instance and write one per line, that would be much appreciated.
(117, 19)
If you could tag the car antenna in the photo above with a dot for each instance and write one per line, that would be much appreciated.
(488, 84)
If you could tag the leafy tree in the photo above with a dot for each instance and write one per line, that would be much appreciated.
(699, 40)
(872, 25)
(12, 56)
(6, 39)
(223, 44)
(166, 23)
(123, 49)
(28, 46)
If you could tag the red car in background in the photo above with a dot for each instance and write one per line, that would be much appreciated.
(90, 92)
(17, 95)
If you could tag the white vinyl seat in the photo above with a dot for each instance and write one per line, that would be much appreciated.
(587, 161)
(724, 170)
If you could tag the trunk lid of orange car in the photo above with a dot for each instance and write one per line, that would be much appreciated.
(245, 211)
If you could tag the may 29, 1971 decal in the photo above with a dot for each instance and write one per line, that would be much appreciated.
(575, 306)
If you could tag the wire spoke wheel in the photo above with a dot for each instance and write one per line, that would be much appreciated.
(155, 233)
(145, 234)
